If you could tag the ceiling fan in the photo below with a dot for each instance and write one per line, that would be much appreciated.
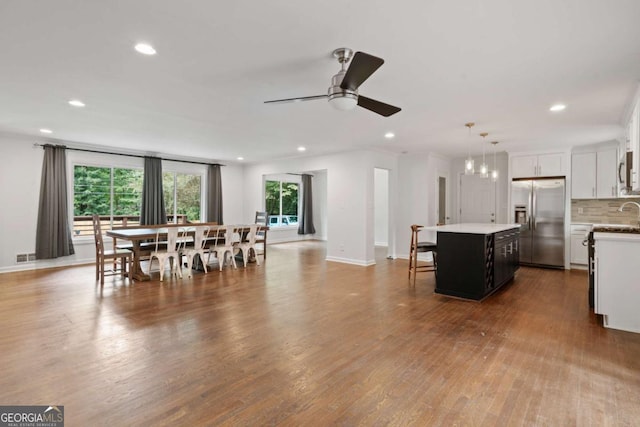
(343, 92)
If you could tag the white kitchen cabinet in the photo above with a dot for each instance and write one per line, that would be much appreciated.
(579, 252)
(594, 174)
(617, 288)
(583, 175)
(537, 165)
(606, 173)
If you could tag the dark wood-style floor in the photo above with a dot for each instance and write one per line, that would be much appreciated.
(302, 341)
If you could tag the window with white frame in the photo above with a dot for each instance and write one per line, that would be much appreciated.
(281, 202)
(113, 193)
(111, 187)
(182, 195)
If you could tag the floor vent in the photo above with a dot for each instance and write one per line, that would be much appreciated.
(20, 258)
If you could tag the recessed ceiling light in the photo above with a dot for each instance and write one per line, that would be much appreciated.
(240, 158)
(76, 103)
(145, 49)
(302, 149)
(46, 130)
(557, 107)
(389, 135)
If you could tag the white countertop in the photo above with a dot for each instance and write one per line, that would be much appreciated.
(473, 228)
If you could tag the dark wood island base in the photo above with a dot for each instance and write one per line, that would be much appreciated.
(475, 260)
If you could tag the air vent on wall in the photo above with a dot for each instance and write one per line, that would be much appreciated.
(20, 258)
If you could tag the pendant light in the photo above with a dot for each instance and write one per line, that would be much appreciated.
(469, 168)
(494, 172)
(484, 169)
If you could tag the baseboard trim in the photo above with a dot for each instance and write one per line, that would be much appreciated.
(351, 261)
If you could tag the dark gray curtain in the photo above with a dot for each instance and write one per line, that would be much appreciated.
(153, 211)
(305, 224)
(53, 234)
(214, 195)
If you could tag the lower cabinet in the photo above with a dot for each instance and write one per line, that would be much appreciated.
(473, 266)
(579, 251)
(506, 256)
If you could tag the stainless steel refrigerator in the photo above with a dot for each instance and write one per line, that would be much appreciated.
(538, 206)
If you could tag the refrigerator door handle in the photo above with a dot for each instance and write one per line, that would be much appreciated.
(533, 208)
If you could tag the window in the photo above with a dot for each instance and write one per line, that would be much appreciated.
(113, 193)
(281, 201)
(182, 196)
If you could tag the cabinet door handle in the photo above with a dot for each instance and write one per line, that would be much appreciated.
(613, 191)
(593, 191)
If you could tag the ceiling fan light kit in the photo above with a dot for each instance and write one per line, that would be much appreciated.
(343, 92)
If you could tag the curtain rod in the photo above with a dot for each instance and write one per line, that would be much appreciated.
(300, 174)
(123, 154)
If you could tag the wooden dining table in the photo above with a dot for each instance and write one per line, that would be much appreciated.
(140, 235)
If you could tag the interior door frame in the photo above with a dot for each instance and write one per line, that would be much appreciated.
(447, 195)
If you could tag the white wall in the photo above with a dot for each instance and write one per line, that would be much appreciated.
(349, 198)
(417, 195)
(381, 200)
(20, 191)
(344, 199)
(320, 204)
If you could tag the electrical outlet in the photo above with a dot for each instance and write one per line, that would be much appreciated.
(580, 211)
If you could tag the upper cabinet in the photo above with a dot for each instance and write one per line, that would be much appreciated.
(537, 165)
(594, 174)
(607, 173)
(583, 176)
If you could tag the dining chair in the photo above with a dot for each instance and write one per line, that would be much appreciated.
(124, 256)
(176, 238)
(200, 241)
(416, 247)
(248, 245)
(225, 244)
(261, 235)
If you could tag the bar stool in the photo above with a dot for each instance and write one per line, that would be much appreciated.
(416, 247)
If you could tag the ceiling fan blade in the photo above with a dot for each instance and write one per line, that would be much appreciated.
(303, 98)
(381, 108)
(361, 67)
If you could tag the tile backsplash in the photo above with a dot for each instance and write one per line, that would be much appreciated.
(604, 211)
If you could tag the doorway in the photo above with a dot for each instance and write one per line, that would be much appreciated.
(442, 210)
(477, 199)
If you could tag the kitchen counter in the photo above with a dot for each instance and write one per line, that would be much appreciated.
(473, 228)
(616, 272)
(475, 260)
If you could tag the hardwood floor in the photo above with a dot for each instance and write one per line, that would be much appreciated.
(302, 341)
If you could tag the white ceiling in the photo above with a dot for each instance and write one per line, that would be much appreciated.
(499, 63)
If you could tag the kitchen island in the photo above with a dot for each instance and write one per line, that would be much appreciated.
(475, 260)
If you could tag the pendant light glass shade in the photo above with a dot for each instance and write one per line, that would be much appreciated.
(494, 172)
(469, 168)
(484, 169)
(469, 164)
